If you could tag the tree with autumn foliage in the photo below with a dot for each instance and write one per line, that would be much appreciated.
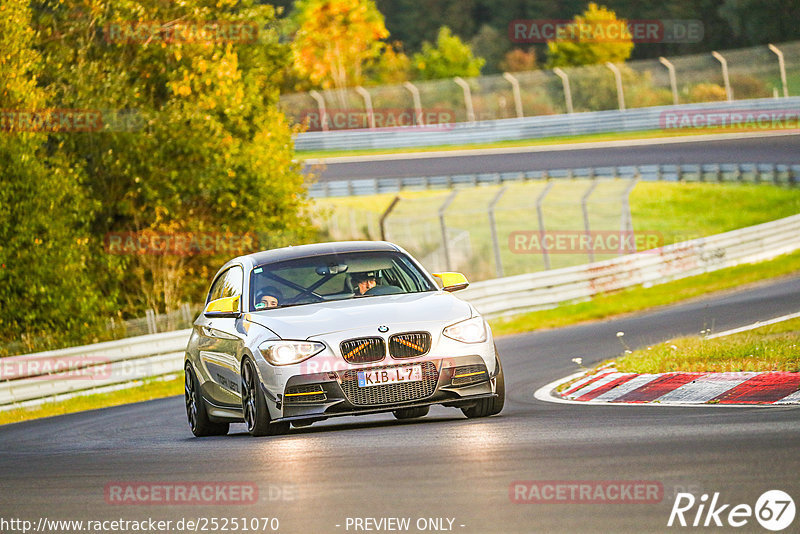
(209, 153)
(336, 41)
(587, 40)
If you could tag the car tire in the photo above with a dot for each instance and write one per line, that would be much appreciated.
(411, 413)
(196, 412)
(493, 405)
(254, 405)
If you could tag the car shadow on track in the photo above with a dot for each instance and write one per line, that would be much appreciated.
(328, 427)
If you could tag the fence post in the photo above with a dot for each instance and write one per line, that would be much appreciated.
(618, 78)
(323, 115)
(540, 216)
(498, 261)
(367, 105)
(517, 95)
(186, 312)
(411, 88)
(152, 326)
(386, 214)
(673, 80)
(725, 77)
(627, 219)
(567, 91)
(782, 67)
(585, 209)
(443, 227)
(467, 98)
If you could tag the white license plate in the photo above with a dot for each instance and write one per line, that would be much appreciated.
(396, 375)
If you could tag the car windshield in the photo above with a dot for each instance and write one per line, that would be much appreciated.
(334, 277)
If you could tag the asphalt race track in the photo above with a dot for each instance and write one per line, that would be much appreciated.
(774, 149)
(442, 466)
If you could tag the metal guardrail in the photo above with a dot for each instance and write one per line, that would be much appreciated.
(59, 374)
(708, 172)
(528, 292)
(631, 120)
(37, 378)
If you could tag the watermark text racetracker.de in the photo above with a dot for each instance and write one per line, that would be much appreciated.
(77, 367)
(148, 242)
(182, 31)
(70, 120)
(351, 119)
(149, 524)
(582, 242)
(586, 492)
(730, 119)
(606, 31)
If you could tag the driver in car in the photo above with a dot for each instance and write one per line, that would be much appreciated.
(364, 282)
(268, 297)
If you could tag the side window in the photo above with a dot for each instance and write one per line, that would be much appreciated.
(227, 284)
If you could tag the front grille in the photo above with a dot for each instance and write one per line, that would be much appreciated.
(409, 345)
(363, 350)
(469, 374)
(301, 394)
(389, 393)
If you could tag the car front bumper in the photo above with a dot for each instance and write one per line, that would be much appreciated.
(456, 381)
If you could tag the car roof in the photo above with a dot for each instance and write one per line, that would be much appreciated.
(316, 249)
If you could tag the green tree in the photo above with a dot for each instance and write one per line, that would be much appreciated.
(588, 40)
(450, 57)
(46, 289)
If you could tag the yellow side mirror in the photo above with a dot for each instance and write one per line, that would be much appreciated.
(223, 306)
(452, 281)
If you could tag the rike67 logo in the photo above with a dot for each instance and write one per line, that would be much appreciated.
(774, 510)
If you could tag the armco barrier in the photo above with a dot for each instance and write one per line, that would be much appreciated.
(776, 173)
(631, 120)
(116, 364)
(527, 292)
(34, 378)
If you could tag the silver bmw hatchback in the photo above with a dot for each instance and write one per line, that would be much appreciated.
(300, 334)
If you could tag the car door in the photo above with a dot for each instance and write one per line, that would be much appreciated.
(219, 341)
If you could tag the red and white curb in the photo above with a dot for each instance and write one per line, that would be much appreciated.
(609, 386)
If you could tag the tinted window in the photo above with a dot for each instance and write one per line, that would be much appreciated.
(334, 277)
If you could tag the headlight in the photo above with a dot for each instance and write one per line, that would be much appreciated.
(469, 331)
(286, 352)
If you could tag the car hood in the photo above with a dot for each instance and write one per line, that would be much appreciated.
(310, 320)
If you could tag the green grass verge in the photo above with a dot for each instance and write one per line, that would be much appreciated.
(684, 211)
(639, 298)
(769, 348)
(151, 389)
(672, 212)
(543, 141)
